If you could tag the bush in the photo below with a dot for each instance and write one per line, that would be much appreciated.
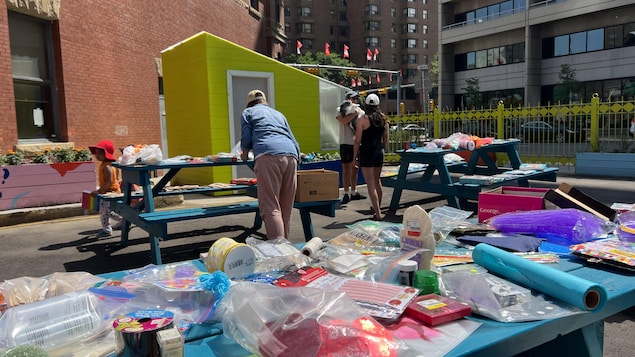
(48, 156)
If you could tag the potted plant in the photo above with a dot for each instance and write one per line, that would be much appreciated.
(45, 178)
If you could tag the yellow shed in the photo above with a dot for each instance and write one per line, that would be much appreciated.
(206, 80)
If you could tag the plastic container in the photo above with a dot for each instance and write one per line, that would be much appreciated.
(52, 322)
(416, 233)
(426, 281)
(407, 269)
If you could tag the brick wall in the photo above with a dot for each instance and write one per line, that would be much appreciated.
(107, 76)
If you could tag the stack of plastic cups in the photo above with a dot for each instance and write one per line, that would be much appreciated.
(427, 282)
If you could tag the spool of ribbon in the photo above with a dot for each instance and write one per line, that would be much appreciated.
(231, 257)
(467, 144)
(563, 286)
(136, 332)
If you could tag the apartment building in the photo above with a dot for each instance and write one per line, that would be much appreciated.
(516, 49)
(397, 35)
(81, 71)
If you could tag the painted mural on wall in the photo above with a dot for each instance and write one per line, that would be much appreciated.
(36, 185)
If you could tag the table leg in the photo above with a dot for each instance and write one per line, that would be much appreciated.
(155, 250)
(398, 188)
(307, 224)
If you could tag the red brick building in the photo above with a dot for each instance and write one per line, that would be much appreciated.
(81, 71)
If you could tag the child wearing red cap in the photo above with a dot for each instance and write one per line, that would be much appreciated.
(108, 177)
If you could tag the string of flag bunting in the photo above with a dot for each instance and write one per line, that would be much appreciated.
(370, 56)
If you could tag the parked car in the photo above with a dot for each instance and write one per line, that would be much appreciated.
(483, 129)
(539, 131)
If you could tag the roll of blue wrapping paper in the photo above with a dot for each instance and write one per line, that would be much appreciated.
(560, 285)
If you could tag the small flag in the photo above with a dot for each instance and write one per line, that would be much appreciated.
(298, 46)
(375, 54)
(353, 84)
(400, 73)
(378, 79)
(390, 77)
(327, 49)
(369, 54)
(370, 80)
(345, 51)
(359, 82)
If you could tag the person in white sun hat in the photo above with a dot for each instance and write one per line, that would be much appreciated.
(371, 142)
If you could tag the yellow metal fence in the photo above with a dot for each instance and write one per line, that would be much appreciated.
(550, 134)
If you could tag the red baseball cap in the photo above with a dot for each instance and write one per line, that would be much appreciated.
(107, 146)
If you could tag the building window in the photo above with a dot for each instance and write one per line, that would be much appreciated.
(425, 59)
(344, 31)
(287, 11)
(393, 43)
(372, 26)
(393, 59)
(425, 14)
(409, 28)
(34, 83)
(305, 27)
(425, 44)
(393, 28)
(343, 2)
(304, 11)
(409, 43)
(307, 43)
(425, 29)
(343, 16)
(393, 12)
(425, 2)
(371, 10)
(409, 59)
(332, 15)
(287, 28)
(372, 41)
(409, 12)
(254, 4)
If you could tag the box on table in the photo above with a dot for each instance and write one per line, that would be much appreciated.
(317, 185)
(433, 309)
(567, 196)
(509, 199)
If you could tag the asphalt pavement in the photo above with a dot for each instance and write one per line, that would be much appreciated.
(62, 239)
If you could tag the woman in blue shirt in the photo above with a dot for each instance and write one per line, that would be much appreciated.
(266, 132)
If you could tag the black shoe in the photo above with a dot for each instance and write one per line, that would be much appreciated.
(346, 199)
(357, 196)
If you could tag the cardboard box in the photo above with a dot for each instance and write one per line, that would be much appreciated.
(567, 196)
(317, 185)
(509, 199)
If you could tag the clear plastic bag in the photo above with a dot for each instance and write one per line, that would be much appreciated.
(273, 321)
(141, 154)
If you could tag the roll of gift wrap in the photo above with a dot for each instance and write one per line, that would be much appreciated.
(560, 285)
(136, 332)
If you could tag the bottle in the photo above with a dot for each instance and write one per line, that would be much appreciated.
(407, 269)
(416, 233)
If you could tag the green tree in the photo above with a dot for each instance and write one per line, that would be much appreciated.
(472, 93)
(568, 90)
(338, 76)
(434, 71)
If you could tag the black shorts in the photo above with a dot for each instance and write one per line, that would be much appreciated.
(374, 158)
(346, 153)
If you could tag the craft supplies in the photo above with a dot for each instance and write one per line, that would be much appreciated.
(416, 233)
(407, 269)
(566, 287)
(312, 246)
(170, 342)
(426, 281)
(230, 257)
(136, 332)
(433, 309)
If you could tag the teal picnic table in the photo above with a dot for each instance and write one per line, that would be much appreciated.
(432, 161)
(139, 209)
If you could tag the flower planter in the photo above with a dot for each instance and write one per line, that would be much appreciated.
(605, 164)
(333, 165)
(37, 185)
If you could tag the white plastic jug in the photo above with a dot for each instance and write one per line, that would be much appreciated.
(416, 233)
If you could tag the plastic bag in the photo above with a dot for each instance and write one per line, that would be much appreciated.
(141, 154)
(273, 321)
(560, 226)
